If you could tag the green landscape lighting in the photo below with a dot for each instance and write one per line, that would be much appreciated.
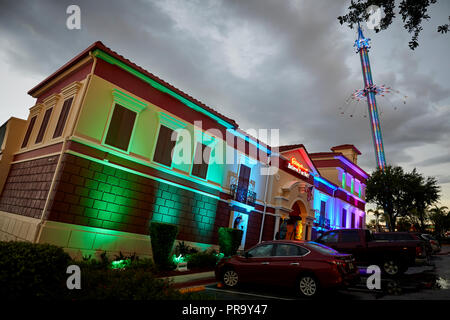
(179, 259)
(120, 264)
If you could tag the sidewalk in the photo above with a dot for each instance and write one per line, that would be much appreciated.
(192, 282)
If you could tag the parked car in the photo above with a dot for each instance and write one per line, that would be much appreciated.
(434, 243)
(307, 266)
(405, 236)
(393, 257)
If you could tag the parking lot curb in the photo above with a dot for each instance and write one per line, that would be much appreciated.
(190, 277)
(194, 286)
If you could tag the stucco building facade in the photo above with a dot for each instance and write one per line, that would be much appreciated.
(109, 147)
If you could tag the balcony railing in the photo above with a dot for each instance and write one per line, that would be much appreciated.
(243, 195)
(323, 222)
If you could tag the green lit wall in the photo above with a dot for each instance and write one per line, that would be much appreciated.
(98, 195)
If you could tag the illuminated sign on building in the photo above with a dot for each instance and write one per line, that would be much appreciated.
(298, 167)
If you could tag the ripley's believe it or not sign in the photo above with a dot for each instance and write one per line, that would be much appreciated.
(298, 167)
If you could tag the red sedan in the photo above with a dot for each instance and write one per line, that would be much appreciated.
(308, 266)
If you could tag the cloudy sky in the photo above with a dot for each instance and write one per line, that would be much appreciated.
(285, 65)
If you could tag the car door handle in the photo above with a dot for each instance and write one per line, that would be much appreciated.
(295, 264)
(264, 263)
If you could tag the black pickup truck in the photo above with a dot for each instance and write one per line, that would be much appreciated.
(393, 257)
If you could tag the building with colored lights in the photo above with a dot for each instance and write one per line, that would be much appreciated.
(94, 164)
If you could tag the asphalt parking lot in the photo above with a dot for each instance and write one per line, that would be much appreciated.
(418, 283)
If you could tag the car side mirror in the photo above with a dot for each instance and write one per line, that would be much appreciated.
(246, 254)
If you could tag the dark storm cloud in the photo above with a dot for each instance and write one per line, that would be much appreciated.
(267, 64)
(437, 160)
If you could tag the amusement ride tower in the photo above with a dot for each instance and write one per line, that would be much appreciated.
(369, 92)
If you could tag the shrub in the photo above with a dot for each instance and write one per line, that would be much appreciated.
(184, 249)
(202, 260)
(30, 270)
(229, 240)
(123, 285)
(162, 236)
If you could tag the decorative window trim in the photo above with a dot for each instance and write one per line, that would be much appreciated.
(208, 141)
(34, 110)
(128, 101)
(52, 100)
(115, 103)
(45, 132)
(170, 122)
(71, 90)
(193, 158)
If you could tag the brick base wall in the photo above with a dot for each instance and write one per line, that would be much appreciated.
(27, 186)
(92, 194)
(97, 195)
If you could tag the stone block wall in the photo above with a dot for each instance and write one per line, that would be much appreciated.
(93, 194)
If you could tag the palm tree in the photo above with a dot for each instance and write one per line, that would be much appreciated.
(380, 216)
(440, 218)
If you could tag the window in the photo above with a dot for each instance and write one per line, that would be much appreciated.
(28, 133)
(289, 250)
(201, 160)
(244, 176)
(322, 208)
(353, 220)
(361, 222)
(349, 180)
(344, 218)
(331, 237)
(63, 118)
(120, 128)
(164, 146)
(321, 248)
(264, 250)
(343, 179)
(44, 124)
(350, 236)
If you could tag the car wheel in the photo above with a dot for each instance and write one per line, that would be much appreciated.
(308, 286)
(392, 267)
(230, 278)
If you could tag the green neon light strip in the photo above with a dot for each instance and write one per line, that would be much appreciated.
(141, 174)
(247, 138)
(106, 57)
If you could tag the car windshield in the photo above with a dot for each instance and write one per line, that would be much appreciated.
(428, 237)
(321, 248)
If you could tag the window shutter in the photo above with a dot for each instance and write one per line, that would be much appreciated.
(164, 146)
(63, 118)
(200, 166)
(120, 127)
(244, 176)
(344, 218)
(44, 124)
(28, 133)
